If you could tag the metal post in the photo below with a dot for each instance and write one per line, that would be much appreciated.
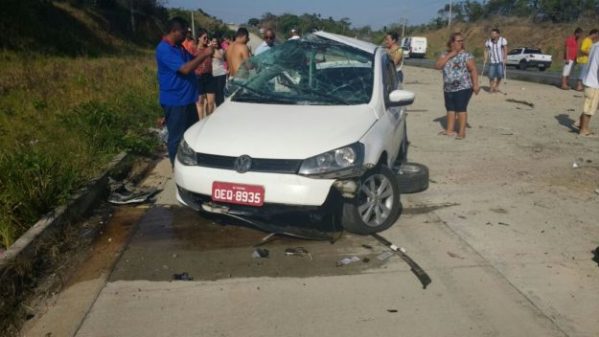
(449, 19)
(193, 26)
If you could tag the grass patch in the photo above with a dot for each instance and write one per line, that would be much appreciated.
(61, 120)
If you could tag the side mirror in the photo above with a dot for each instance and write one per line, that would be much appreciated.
(401, 98)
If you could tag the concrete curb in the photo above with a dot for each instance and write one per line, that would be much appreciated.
(24, 261)
(77, 206)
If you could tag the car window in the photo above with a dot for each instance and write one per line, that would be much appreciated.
(532, 51)
(515, 51)
(389, 76)
(310, 71)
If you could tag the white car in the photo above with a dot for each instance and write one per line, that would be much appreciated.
(315, 125)
(528, 57)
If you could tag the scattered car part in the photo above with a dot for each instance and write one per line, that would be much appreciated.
(347, 260)
(182, 277)
(260, 253)
(412, 177)
(297, 232)
(425, 280)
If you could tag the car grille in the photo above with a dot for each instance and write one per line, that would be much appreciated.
(290, 166)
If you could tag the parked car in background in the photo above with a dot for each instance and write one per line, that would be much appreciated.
(524, 58)
(313, 125)
(418, 46)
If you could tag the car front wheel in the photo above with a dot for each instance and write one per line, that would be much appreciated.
(376, 205)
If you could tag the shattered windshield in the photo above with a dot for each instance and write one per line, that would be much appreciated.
(310, 71)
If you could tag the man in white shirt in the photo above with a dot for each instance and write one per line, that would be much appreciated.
(591, 91)
(269, 41)
(496, 55)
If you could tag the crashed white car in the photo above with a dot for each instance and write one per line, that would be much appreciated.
(314, 125)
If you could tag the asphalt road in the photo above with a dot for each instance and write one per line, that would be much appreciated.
(512, 73)
(505, 231)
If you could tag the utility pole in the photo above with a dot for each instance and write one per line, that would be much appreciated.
(193, 26)
(449, 19)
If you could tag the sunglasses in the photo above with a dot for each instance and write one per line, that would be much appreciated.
(269, 37)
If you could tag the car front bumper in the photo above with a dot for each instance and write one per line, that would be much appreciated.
(285, 189)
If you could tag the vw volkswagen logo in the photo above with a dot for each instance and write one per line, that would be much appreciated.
(243, 164)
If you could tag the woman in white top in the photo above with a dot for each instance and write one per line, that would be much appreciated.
(219, 70)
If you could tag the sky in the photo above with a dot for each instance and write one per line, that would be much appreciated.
(376, 13)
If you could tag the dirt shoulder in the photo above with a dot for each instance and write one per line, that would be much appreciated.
(522, 205)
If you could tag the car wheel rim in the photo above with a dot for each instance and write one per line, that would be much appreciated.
(375, 200)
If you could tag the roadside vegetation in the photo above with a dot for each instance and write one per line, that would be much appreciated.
(62, 120)
(77, 86)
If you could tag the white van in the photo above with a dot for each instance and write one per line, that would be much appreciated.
(418, 46)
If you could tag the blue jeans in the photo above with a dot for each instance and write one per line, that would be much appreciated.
(178, 120)
(495, 71)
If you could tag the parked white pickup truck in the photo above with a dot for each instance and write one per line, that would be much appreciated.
(528, 57)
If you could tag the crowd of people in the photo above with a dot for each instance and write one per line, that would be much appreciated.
(460, 76)
(193, 73)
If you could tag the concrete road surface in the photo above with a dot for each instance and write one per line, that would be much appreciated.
(505, 230)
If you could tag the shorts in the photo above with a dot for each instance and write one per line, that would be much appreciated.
(591, 101)
(457, 101)
(582, 72)
(495, 71)
(568, 66)
(207, 84)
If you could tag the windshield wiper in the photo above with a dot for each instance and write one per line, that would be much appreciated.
(261, 96)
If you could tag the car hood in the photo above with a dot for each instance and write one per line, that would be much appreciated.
(279, 131)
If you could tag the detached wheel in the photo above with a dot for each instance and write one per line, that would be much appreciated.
(411, 177)
(376, 205)
(522, 65)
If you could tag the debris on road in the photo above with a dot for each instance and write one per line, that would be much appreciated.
(503, 223)
(347, 260)
(182, 277)
(597, 191)
(298, 251)
(422, 276)
(454, 255)
(511, 100)
(596, 255)
(124, 195)
(392, 310)
(260, 253)
(367, 246)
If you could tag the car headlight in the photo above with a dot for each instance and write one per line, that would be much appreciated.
(186, 155)
(344, 161)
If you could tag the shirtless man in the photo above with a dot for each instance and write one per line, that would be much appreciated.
(238, 51)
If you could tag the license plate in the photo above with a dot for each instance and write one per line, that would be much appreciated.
(240, 194)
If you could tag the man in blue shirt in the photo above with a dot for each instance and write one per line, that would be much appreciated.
(177, 82)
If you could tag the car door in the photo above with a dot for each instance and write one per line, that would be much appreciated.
(395, 116)
(513, 57)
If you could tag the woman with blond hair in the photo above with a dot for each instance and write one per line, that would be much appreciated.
(460, 80)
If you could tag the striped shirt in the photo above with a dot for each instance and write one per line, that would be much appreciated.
(494, 48)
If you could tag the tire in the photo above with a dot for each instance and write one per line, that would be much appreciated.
(402, 156)
(522, 65)
(542, 68)
(412, 178)
(385, 207)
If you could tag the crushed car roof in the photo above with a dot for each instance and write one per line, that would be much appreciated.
(350, 41)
